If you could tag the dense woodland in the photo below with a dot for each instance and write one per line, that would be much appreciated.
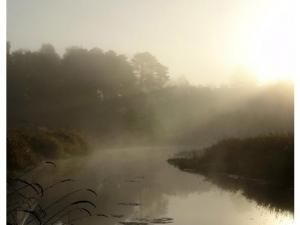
(115, 99)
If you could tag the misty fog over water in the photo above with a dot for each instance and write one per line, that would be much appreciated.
(150, 112)
(142, 176)
(78, 106)
(90, 109)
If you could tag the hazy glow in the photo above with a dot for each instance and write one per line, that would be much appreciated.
(270, 53)
(204, 40)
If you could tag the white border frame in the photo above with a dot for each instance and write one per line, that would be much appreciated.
(3, 111)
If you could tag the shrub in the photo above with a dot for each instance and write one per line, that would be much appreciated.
(26, 147)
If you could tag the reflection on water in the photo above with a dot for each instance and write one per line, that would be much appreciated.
(138, 186)
(276, 197)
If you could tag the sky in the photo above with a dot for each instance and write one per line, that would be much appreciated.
(205, 41)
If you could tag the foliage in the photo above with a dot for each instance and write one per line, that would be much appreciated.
(116, 99)
(269, 157)
(30, 202)
(262, 167)
(27, 147)
(151, 74)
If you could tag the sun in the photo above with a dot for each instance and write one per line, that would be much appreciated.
(270, 44)
(271, 55)
(270, 69)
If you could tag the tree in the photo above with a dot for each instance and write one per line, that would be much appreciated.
(47, 49)
(150, 73)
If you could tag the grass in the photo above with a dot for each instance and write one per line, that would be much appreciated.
(262, 167)
(28, 146)
(28, 202)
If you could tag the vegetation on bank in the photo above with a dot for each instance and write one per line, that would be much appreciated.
(269, 158)
(28, 146)
(262, 167)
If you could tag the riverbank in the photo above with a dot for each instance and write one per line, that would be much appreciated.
(262, 167)
(27, 147)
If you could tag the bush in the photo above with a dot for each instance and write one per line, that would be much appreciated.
(269, 157)
(262, 167)
(27, 147)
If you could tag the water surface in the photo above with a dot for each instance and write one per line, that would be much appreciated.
(137, 184)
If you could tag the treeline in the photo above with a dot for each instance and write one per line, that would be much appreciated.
(117, 99)
(83, 88)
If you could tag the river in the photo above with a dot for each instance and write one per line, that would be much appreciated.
(137, 184)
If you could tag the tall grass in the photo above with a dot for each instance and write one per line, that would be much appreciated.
(263, 167)
(26, 206)
(28, 146)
